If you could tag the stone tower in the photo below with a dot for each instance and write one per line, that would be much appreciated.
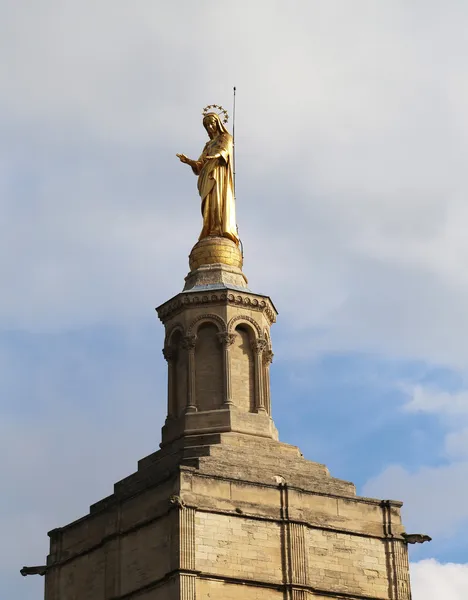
(224, 511)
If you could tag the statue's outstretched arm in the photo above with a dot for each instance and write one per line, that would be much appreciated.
(195, 164)
(185, 159)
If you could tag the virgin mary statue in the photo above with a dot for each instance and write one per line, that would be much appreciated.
(215, 181)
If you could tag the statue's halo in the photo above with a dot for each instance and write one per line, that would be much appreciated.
(219, 110)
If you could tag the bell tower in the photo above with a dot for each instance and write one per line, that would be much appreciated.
(218, 349)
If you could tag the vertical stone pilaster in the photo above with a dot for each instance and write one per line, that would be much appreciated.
(112, 574)
(396, 552)
(51, 584)
(267, 360)
(52, 576)
(188, 344)
(184, 540)
(170, 354)
(258, 347)
(299, 566)
(227, 339)
(299, 594)
(397, 569)
(400, 550)
(187, 538)
(294, 551)
(187, 586)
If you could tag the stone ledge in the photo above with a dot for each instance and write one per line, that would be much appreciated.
(219, 421)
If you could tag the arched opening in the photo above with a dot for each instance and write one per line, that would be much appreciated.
(243, 369)
(209, 372)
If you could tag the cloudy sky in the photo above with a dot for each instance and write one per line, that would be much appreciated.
(351, 137)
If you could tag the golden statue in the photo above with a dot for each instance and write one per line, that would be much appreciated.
(215, 178)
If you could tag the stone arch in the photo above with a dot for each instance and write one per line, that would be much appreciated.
(171, 332)
(249, 321)
(210, 318)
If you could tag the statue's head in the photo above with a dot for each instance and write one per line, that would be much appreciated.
(210, 122)
(213, 124)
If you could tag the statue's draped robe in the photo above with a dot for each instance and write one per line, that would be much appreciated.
(216, 188)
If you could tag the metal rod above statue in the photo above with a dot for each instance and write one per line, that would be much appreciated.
(214, 169)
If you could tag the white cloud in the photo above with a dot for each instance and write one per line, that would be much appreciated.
(427, 400)
(451, 408)
(431, 580)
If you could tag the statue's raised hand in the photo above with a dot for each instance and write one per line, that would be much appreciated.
(184, 158)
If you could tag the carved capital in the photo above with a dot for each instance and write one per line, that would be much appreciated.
(169, 353)
(268, 357)
(188, 342)
(226, 339)
(259, 345)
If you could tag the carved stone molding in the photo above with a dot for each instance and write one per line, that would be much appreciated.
(226, 339)
(209, 318)
(258, 346)
(267, 356)
(240, 318)
(259, 303)
(188, 342)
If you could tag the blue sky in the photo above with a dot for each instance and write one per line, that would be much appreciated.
(351, 189)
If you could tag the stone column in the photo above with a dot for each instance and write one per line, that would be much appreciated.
(170, 354)
(267, 360)
(227, 339)
(258, 346)
(188, 344)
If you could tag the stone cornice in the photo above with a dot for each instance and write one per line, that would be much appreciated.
(191, 299)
